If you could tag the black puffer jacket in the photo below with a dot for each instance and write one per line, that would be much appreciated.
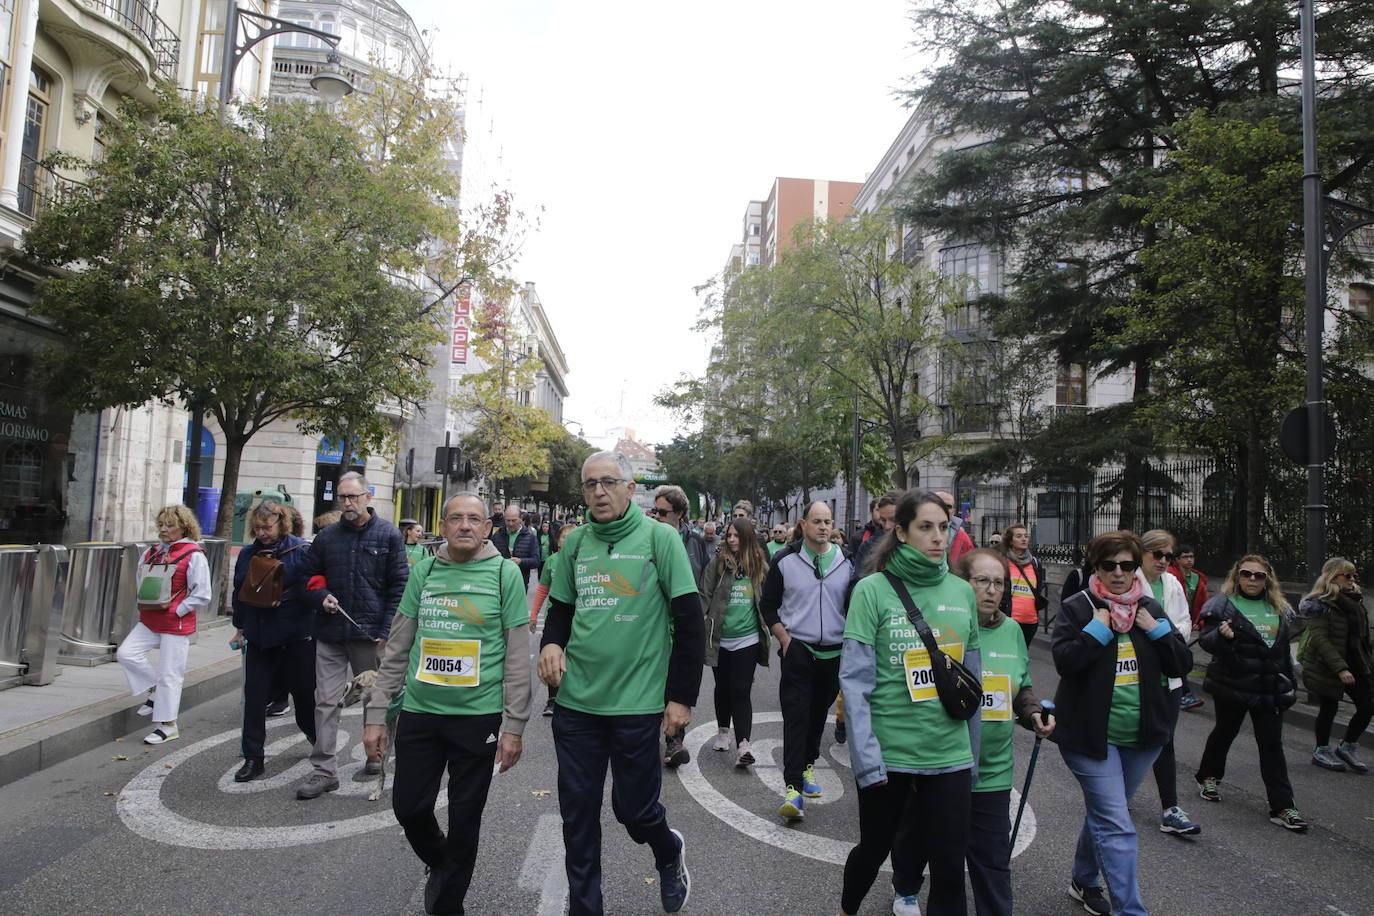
(366, 569)
(1245, 670)
(293, 618)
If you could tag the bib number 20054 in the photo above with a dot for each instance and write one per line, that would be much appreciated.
(450, 662)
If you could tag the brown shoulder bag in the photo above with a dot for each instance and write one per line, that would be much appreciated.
(266, 579)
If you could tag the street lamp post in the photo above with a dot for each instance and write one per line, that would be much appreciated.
(329, 81)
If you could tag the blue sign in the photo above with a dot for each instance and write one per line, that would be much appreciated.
(330, 451)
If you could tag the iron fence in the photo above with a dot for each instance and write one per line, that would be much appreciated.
(141, 18)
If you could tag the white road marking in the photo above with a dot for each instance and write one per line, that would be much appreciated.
(543, 868)
(143, 811)
(768, 768)
(772, 830)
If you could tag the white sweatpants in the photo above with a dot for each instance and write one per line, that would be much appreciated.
(167, 677)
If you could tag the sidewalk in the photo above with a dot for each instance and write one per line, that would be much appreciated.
(87, 707)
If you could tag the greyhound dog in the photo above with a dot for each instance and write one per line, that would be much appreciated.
(360, 689)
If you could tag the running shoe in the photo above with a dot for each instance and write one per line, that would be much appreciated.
(278, 708)
(147, 708)
(1189, 701)
(1207, 789)
(810, 788)
(1175, 820)
(548, 707)
(906, 906)
(1325, 758)
(1092, 898)
(745, 757)
(674, 883)
(722, 740)
(793, 805)
(1290, 819)
(674, 754)
(1346, 751)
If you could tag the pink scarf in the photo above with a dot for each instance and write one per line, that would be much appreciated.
(1122, 606)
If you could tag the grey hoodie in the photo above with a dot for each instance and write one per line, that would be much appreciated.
(391, 673)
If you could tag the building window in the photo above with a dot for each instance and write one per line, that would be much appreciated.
(34, 142)
(754, 229)
(1069, 184)
(1071, 386)
(974, 264)
(753, 259)
(1362, 301)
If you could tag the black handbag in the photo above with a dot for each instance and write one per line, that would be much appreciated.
(959, 689)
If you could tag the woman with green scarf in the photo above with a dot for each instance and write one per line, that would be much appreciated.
(913, 763)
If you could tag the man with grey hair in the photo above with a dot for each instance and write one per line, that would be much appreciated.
(356, 565)
(623, 642)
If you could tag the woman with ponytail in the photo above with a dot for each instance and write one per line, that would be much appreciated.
(1113, 646)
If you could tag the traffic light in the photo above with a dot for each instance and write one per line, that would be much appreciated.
(449, 461)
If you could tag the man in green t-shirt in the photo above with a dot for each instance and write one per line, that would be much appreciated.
(457, 648)
(623, 642)
(778, 540)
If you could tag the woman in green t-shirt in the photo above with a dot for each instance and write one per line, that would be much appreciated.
(1246, 630)
(736, 640)
(541, 592)
(913, 763)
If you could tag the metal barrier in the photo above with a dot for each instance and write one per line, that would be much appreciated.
(100, 585)
(216, 550)
(46, 605)
(18, 567)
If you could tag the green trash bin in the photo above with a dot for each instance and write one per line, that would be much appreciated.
(245, 502)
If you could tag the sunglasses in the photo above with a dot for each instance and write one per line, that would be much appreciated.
(1258, 575)
(1161, 555)
(660, 512)
(1126, 566)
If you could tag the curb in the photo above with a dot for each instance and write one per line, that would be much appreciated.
(27, 750)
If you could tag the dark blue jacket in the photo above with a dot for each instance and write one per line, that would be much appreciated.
(293, 618)
(366, 569)
(525, 548)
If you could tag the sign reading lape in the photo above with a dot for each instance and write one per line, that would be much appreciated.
(462, 311)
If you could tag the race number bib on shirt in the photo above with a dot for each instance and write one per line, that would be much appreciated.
(996, 698)
(1020, 588)
(920, 679)
(450, 662)
(1127, 665)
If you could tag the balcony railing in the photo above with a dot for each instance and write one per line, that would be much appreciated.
(40, 186)
(141, 18)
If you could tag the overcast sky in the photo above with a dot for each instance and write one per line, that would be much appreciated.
(641, 131)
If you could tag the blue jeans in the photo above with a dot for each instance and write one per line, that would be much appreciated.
(1107, 843)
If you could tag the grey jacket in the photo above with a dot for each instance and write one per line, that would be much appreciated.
(516, 686)
(811, 607)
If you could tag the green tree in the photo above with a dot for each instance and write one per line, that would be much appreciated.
(241, 265)
(1071, 112)
(566, 454)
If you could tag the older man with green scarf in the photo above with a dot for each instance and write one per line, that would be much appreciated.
(623, 642)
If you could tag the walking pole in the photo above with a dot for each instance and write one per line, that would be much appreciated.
(1048, 707)
(241, 646)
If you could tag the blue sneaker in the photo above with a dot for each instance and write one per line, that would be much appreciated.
(1175, 820)
(674, 883)
(810, 788)
(792, 805)
(906, 906)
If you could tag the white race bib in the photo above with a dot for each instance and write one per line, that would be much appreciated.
(920, 680)
(450, 662)
(1127, 665)
(996, 698)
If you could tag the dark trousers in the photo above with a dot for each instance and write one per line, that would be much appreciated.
(1268, 737)
(1359, 720)
(734, 674)
(989, 852)
(293, 663)
(1166, 768)
(806, 691)
(585, 745)
(921, 820)
(426, 745)
(1028, 631)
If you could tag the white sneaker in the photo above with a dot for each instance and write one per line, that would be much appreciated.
(745, 757)
(906, 906)
(147, 708)
(162, 734)
(722, 742)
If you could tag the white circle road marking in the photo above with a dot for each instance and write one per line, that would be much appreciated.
(773, 831)
(143, 811)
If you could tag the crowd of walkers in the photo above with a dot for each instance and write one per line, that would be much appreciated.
(919, 636)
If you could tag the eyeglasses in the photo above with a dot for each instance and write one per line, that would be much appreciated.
(659, 513)
(1258, 575)
(605, 483)
(1126, 566)
(474, 520)
(1161, 555)
(350, 497)
(983, 582)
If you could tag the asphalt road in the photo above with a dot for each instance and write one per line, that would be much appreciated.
(165, 830)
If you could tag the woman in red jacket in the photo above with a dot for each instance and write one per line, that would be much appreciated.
(173, 585)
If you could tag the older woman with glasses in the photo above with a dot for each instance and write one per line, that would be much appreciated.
(1246, 630)
(1113, 647)
(1337, 658)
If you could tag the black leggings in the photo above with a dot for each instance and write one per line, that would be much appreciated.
(734, 674)
(920, 820)
(1360, 693)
